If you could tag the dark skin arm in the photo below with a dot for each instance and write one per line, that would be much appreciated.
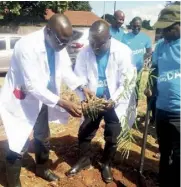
(72, 108)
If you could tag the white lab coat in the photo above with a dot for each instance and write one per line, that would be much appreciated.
(29, 70)
(119, 68)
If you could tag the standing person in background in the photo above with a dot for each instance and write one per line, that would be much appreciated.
(116, 29)
(138, 42)
(166, 58)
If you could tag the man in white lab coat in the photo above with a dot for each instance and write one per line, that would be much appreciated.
(30, 96)
(105, 67)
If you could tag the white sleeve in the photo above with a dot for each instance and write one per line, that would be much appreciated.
(68, 75)
(127, 77)
(29, 66)
(81, 71)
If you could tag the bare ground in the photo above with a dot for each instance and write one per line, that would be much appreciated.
(64, 153)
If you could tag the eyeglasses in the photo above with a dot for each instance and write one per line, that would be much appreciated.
(60, 42)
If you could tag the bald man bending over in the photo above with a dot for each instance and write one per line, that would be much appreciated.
(117, 31)
(30, 97)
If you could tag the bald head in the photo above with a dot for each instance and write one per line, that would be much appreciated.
(119, 18)
(58, 31)
(99, 35)
(99, 29)
(119, 13)
(60, 24)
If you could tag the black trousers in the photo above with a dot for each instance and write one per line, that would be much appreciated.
(152, 101)
(168, 132)
(41, 139)
(112, 130)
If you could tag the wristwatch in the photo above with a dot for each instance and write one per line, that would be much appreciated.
(81, 87)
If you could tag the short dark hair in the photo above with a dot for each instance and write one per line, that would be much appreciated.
(135, 19)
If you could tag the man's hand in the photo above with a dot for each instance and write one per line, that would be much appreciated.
(72, 108)
(148, 92)
(110, 105)
(88, 93)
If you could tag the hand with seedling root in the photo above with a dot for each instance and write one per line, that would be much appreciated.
(93, 106)
(148, 92)
(110, 105)
(72, 108)
(88, 93)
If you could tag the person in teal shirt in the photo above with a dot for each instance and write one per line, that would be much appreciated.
(116, 29)
(166, 59)
(139, 42)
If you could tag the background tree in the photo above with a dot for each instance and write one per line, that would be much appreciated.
(146, 25)
(79, 5)
(109, 18)
(168, 3)
(12, 9)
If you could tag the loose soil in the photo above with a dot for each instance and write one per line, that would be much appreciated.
(64, 153)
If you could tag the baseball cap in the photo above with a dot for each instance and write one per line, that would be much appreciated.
(168, 16)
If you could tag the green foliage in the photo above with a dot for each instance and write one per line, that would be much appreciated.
(109, 18)
(168, 3)
(146, 25)
(36, 9)
(79, 5)
(126, 138)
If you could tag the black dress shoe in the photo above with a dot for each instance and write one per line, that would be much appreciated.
(46, 174)
(106, 173)
(83, 163)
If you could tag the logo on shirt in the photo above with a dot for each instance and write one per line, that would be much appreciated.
(138, 51)
(170, 76)
(102, 83)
